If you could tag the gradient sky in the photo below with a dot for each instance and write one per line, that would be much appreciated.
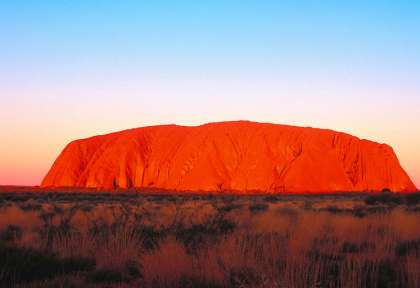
(72, 69)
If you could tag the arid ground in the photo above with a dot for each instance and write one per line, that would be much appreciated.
(144, 240)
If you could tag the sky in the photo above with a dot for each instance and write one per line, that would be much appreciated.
(73, 69)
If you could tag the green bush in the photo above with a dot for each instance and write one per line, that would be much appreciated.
(25, 264)
(258, 207)
(11, 233)
(196, 235)
(130, 272)
(388, 198)
(404, 248)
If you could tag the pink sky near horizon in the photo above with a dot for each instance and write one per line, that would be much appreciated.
(41, 116)
(28, 152)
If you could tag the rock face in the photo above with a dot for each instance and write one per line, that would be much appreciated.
(230, 156)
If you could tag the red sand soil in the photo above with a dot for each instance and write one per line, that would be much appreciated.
(229, 156)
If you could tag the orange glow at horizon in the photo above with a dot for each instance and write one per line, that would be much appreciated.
(24, 164)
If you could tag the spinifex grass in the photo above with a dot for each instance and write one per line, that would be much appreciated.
(199, 241)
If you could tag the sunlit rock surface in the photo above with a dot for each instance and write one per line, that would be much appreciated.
(236, 156)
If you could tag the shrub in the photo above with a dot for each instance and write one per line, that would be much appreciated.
(272, 198)
(150, 236)
(58, 210)
(353, 248)
(359, 212)
(384, 198)
(11, 233)
(25, 264)
(195, 282)
(129, 273)
(387, 274)
(386, 190)
(413, 209)
(30, 205)
(333, 209)
(196, 235)
(105, 276)
(330, 263)
(229, 207)
(258, 207)
(404, 248)
(307, 205)
(244, 277)
(395, 199)
(87, 208)
(412, 199)
(288, 211)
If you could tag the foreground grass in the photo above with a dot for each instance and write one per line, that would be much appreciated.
(137, 240)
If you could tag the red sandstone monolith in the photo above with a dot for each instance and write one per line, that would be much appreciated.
(236, 156)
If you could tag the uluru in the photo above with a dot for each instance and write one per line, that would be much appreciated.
(239, 156)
